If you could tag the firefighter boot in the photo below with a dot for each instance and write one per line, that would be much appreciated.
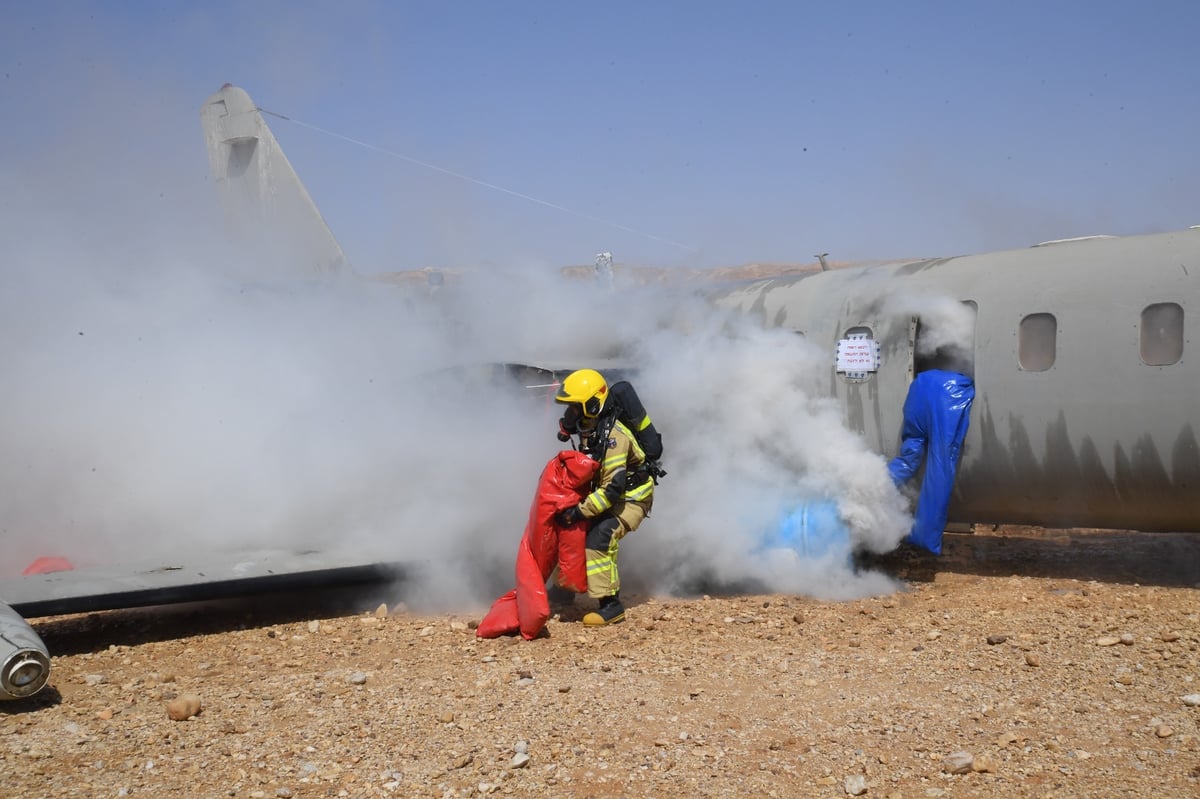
(611, 611)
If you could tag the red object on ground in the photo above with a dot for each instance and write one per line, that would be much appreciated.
(564, 482)
(48, 564)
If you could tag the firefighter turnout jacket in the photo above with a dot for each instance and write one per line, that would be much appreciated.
(623, 476)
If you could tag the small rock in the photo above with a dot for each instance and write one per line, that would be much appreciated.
(1032, 660)
(996, 639)
(1170, 636)
(381, 612)
(93, 679)
(105, 714)
(798, 617)
(1163, 731)
(446, 718)
(855, 785)
(933, 635)
(1108, 640)
(184, 707)
(283, 793)
(426, 631)
(1127, 639)
(520, 760)
(958, 762)
(458, 626)
(314, 626)
(522, 748)
(357, 678)
(1192, 700)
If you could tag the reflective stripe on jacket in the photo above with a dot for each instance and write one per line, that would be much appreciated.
(622, 455)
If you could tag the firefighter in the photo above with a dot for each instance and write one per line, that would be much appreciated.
(621, 495)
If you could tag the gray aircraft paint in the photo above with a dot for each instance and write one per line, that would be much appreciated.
(263, 197)
(1099, 439)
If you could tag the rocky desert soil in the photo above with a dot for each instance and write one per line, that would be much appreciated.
(1021, 663)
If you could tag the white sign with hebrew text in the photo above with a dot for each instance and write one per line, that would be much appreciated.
(857, 355)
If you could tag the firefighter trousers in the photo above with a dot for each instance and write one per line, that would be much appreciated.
(604, 539)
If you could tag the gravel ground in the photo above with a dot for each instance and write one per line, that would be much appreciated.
(1022, 663)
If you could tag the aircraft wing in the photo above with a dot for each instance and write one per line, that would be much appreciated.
(187, 579)
(25, 661)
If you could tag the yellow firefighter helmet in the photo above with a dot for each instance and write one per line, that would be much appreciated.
(585, 388)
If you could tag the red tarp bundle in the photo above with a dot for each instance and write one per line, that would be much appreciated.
(564, 482)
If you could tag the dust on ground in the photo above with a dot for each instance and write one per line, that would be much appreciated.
(1020, 663)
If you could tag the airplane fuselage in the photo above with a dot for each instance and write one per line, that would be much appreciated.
(1086, 383)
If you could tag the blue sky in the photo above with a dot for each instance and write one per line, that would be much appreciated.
(723, 133)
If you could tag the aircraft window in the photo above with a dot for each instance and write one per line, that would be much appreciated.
(1037, 342)
(858, 354)
(1162, 334)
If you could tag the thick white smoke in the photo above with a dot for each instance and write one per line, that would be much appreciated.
(946, 323)
(179, 406)
(750, 438)
(167, 394)
(145, 413)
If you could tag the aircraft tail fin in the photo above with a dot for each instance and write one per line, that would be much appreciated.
(266, 203)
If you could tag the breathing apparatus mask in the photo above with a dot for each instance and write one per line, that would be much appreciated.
(574, 422)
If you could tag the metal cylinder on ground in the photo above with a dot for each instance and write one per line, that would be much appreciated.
(24, 659)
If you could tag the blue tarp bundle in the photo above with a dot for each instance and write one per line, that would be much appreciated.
(812, 530)
(937, 411)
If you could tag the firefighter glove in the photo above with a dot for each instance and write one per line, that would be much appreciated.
(568, 516)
